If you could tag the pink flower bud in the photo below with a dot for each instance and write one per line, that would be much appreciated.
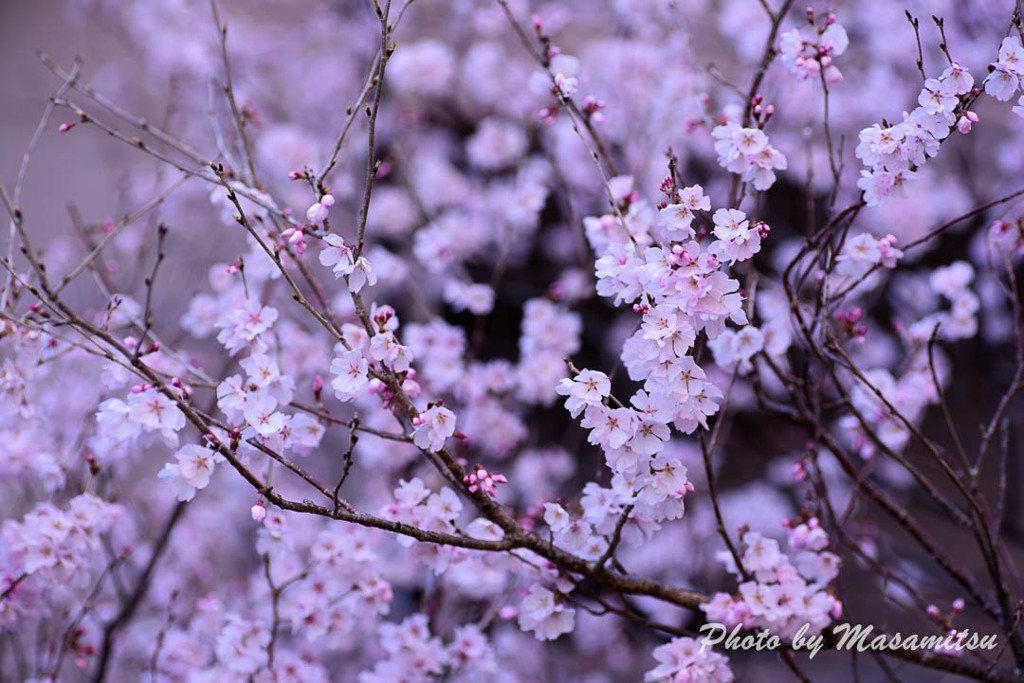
(548, 115)
(799, 472)
(412, 388)
(298, 242)
(316, 213)
(181, 385)
(258, 512)
(964, 125)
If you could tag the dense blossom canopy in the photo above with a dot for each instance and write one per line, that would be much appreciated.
(436, 331)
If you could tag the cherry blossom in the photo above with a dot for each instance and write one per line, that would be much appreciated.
(691, 312)
(433, 427)
(542, 613)
(191, 472)
(350, 374)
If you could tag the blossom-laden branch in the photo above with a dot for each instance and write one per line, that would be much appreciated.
(726, 316)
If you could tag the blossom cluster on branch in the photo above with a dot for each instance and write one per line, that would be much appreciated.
(434, 332)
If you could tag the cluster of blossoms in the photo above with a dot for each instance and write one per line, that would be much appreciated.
(808, 51)
(748, 153)
(482, 480)
(341, 259)
(342, 563)
(1007, 71)
(551, 333)
(252, 404)
(544, 613)
(476, 298)
(49, 555)
(891, 404)
(416, 505)
(144, 410)
(240, 646)
(245, 325)
(415, 656)
(384, 346)
(35, 449)
(327, 587)
(953, 283)
(682, 288)
(863, 252)
(317, 212)
(894, 154)
(541, 611)
(685, 659)
(470, 216)
(784, 591)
